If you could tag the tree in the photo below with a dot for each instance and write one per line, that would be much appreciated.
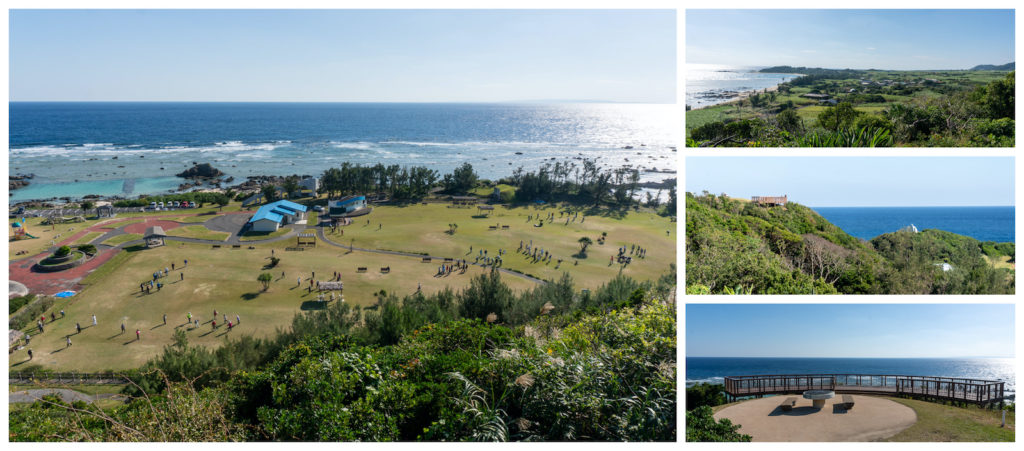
(486, 294)
(88, 205)
(461, 180)
(264, 280)
(269, 192)
(789, 121)
(584, 242)
(62, 251)
(452, 228)
(838, 117)
(290, 185)
(223, 200)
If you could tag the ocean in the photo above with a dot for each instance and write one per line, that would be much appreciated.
(710, 84)
(128, 148)
(981, 223)
(714, 369)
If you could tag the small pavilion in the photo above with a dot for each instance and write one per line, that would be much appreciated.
(155, 236)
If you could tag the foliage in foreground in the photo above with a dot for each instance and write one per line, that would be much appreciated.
(702, 427)
(738, 247)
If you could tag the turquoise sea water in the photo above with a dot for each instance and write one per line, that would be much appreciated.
(79, 148)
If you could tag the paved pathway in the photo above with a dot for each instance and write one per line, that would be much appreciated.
(871, 418)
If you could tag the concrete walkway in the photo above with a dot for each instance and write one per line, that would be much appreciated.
(871, 418)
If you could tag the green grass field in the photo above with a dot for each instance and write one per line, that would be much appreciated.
(255, 236)
(123, 238)
(198, 231)
(45, 235)
(222, 279)
(429, 234)
(225, 278)
(88, 237)
(940, 423)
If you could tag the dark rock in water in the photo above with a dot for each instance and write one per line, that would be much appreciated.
(519, 153)
(161, 169)
(201, 171)
(91, 196)
(142, 156)
(115, 157)
(16, 183)
(229, 180)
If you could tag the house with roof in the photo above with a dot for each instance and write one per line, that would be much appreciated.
(346, 206)
(272, 216)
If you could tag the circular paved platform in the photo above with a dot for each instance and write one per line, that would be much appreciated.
(15, 289)
(871, 418)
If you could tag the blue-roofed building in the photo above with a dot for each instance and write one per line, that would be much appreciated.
(346, 206)
(272, 216)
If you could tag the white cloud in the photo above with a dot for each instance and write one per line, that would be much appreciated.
(871, 48)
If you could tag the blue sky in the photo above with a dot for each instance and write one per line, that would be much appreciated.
(850, 330)
(855, 39)
(355, 55)
(858, 181)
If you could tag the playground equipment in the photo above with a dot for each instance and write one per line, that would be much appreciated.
(19, 231)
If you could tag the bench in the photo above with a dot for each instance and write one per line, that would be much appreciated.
(385, 269)
(492, 227)
(447, 259)
(847, 402)
(236, 246)
(216, 246)
(504, 227)
(361, 269)
(788, 404)
(426, 259)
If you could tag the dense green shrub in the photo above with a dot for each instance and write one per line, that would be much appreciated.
(701, 426)
(62, 251)
(18, 302)
(703, 394)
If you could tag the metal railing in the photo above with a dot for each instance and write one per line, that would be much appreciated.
(959, 389)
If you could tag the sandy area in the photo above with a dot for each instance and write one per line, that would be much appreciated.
(871, 418)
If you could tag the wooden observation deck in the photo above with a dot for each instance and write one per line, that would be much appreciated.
(976, 391)
(770, 200)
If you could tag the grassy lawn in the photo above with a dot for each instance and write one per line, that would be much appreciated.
(487, 191)
(939, 423)
(254, 236)
(1002, 261)
(123, 238)
(696, 118)
(199, 232)
(85, 239)
(119, 224)
(223, 279)
(90, 389)
(429, 234)
(192, 219)
(44, 234)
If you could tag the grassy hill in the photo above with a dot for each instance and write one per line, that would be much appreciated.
(735, 246)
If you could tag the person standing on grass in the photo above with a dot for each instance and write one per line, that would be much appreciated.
(78, 328)
(122, 327)
(165, 319)
(30, 354)
(138, 335)
(298, 281)
(68, 345)
(197, 324)
(182, 275)
(225, 317)
(238, 319)
(214, 325)
(214, 313)
(172, 266)
(186, 262)
(61, 313)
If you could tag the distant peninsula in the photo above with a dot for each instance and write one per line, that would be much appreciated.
(1007, 66)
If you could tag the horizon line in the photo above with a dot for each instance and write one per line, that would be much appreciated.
(840, 357)
(554, 101)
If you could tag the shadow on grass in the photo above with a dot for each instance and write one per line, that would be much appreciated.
(249, 296)
(313, 305)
